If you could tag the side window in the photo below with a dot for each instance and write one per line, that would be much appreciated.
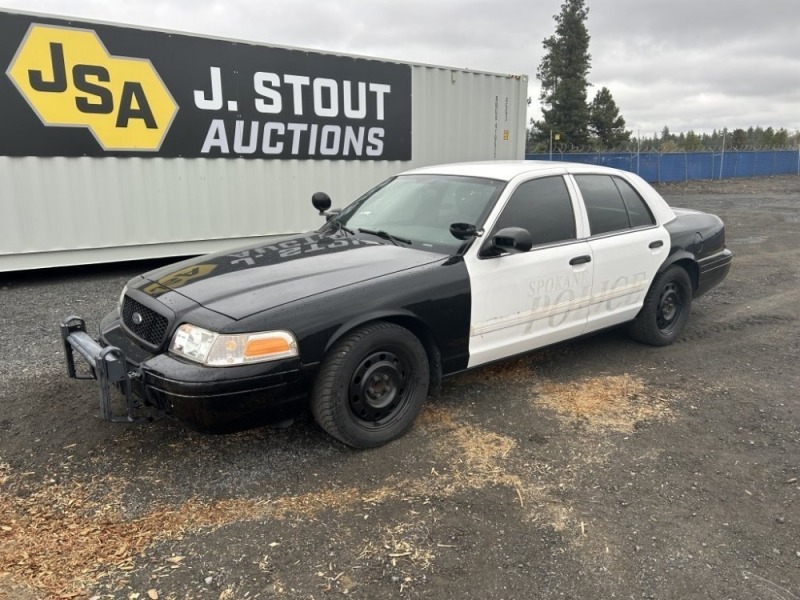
(604, 204)
(543, 207)
(638, 210)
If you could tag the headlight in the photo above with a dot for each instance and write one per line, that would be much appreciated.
(218, 350)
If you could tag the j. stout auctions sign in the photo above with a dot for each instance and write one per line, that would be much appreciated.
(80, 89)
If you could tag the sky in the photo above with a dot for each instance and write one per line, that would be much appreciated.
(687, 64)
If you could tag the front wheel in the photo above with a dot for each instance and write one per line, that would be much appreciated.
(371, 385)
(665, 310)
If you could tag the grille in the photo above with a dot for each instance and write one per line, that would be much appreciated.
(153, 326)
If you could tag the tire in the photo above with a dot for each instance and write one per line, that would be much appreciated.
(665, 310)
(371, 385)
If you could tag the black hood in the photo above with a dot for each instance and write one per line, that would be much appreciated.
(249, 280)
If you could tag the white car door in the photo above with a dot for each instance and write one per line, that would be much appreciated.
(628, 247)
(526, 300)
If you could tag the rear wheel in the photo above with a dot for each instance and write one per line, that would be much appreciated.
(665, 310)
(371, 385)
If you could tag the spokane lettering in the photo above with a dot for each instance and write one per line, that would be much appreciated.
(293, 139)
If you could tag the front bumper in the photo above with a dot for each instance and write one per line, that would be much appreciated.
(212, 399)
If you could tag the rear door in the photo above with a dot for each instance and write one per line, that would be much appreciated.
(526, 300)
(627, 246)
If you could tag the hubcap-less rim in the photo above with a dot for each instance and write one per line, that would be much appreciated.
(378, 387)
(669, 308)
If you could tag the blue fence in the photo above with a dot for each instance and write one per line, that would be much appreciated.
(682, 166)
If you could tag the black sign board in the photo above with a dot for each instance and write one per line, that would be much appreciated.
(81, 89)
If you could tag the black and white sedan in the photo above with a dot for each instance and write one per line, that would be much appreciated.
(432, 272)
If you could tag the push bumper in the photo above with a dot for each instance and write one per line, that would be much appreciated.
(108, 367)
(211, 399)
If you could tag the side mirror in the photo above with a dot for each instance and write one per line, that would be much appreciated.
(321, 201)
(512, 239)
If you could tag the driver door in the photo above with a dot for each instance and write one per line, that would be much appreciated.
(525, 300)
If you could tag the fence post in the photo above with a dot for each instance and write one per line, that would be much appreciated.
(685, 166)
(755, 162)
(658, 167)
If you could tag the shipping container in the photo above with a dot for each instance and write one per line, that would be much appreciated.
(121, 143)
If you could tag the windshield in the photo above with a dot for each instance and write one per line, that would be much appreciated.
(421, 208)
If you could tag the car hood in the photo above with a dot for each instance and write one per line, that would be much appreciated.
(249, 280)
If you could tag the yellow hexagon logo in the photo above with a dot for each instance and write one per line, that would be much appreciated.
(70, 80)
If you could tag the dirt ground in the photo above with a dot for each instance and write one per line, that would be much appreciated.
(598, 468)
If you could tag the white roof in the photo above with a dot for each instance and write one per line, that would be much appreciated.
(506, 170)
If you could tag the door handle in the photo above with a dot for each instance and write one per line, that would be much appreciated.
(579, 260)
(656, 244)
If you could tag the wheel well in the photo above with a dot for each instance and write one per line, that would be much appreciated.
(690, 266)
(425, 336)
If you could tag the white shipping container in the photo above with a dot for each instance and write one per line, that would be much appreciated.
(73, 191)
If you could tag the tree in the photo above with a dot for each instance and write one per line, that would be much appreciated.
(605, 122)
(563, 73)
(692, 141)
(781, 139)
(738, 138)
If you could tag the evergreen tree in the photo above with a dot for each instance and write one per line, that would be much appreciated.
(768, 138)
(781, 139)
(738, 138)
(563, 72)
(605, 122)
(692, 141)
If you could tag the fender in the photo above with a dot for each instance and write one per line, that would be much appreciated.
(378, 315)
(404, 318)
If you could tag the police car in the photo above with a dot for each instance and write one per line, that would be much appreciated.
(434, 271)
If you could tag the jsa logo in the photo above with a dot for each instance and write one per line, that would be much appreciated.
(69, 79)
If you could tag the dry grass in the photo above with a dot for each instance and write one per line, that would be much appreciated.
(60, 539)
(616, 402)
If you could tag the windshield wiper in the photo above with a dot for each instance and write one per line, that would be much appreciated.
(385, 235)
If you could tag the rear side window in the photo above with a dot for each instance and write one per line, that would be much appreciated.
(604, 204)
(543, 207)
(612, 204)
(638, 211)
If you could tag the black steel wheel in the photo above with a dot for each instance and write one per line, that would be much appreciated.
(665, 310)
(371, 385)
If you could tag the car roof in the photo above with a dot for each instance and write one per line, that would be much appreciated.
(507, 170)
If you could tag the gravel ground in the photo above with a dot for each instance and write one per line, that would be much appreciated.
(598, 468)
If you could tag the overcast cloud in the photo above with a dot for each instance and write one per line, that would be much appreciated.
(688, 64)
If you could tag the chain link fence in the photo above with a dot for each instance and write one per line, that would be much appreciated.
(665, 167)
